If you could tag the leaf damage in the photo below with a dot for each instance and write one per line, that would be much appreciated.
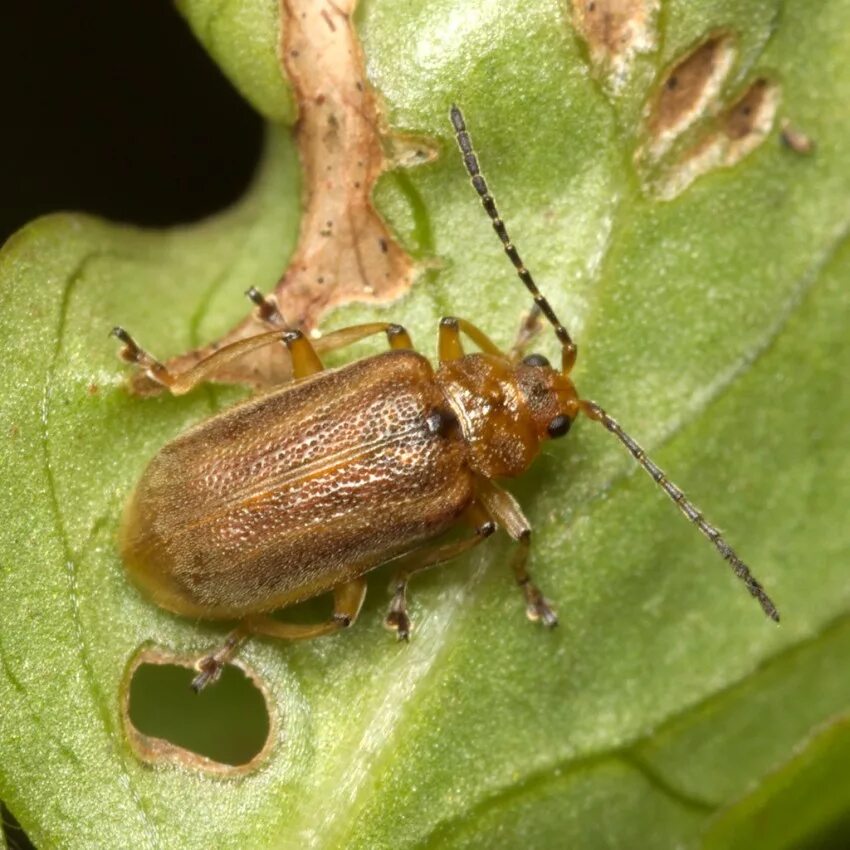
(739, 130)
(686, 91)
(155, 750)
(345, 252)
(615, 32)
(689, 125)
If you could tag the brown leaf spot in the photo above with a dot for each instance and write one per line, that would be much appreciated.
(740, 129)
(154, 750)
(685, 92)
(339, 135)
(615, 32)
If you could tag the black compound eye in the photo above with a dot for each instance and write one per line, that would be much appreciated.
(559, 426)
(536, 360)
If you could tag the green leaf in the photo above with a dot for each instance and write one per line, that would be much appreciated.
(791, 806)
(243, 39)
(665, 710)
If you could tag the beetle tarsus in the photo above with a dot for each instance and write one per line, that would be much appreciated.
(210, 666)
(399, 622)
(267, 309)
(538, 609)
(132, 352)
(209, 672)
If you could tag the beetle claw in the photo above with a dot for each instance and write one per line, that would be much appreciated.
(540, 610)
(209, 671)
(399, 622)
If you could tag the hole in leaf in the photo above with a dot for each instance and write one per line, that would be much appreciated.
(226, 728)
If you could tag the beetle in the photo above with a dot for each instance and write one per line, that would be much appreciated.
(305, 489)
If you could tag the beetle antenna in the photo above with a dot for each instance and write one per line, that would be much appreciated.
(688, 508)
(470, 160)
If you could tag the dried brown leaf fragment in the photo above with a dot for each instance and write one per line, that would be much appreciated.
(615, 31)
(740, 129)
(345, 252)
(686, 92)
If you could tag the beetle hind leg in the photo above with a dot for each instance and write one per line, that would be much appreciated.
(210, 666)
(348, 600)
(397, 619)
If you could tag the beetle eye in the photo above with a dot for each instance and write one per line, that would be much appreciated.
(559, 426)
(536, 360)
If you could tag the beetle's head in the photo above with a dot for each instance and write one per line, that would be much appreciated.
(549, 395)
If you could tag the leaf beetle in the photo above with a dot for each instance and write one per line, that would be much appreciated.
(305, 489)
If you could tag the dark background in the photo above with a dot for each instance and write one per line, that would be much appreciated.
(115, 109)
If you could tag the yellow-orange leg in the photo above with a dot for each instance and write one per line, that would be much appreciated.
(450, 346)
(268, 312)
(305, 359)
(397, 619)
(397, 337)
(348, 600)
(179, 383)
(505, 509)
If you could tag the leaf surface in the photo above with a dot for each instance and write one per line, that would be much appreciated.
(665, 708)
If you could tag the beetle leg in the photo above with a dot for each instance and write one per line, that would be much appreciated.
(423, 559)
(210, 666)
(132, 352)
(348, 599)
(269, 313)
(267, 310)
(529, 329)
(397, 336)
(451, 348)
(507, 512)
(305, 361)
(181, 382)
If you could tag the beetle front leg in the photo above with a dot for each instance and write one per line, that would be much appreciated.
(507, 512)
(449, 346)
(537, 607)
(529, 329)
(397, 619)
(268, 312)
(181, 382)
(348, 600)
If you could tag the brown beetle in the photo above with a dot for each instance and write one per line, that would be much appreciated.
(306, 489)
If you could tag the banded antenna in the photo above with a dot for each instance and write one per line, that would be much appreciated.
(590, 408)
